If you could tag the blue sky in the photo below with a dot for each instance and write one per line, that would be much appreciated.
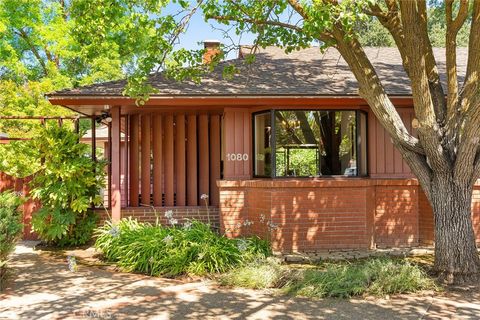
(200, 30)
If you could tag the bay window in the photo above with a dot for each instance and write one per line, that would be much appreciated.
(309, 143)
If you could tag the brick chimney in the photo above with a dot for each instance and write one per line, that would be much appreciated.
(212, 48)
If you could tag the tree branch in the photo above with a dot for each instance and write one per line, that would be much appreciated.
(372, 91)
(257, 22)
(420, 54)
(393, 23)
(453, 27)
(32, 47)
(472, 77)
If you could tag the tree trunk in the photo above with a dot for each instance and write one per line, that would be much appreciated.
(456, 256)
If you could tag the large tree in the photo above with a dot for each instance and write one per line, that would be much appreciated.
(445, 154)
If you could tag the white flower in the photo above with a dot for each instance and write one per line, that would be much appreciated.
(187, 225)
(168, 239)
(169, 214)
(262, 218)
(238, 225)
(173, 221)
(272, 225)
(204, 196)
(114, 232)
(247, 223)
(242, 245)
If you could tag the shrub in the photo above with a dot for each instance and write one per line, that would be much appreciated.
(258, 274)
(10, 227)
(376, 276)
(66, 185)
(171, 251)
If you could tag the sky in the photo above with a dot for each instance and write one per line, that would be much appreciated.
(200, 30)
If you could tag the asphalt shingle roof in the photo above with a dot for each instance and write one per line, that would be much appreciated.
(305, 72)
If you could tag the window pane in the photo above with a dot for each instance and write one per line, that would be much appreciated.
(315, 143)
(263, 131)
(297, 148)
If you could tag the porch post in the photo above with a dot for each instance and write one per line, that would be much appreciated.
(115, 164)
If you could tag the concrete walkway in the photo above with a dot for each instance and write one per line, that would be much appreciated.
(44, 288)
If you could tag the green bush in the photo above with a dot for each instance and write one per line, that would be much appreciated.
(10, 227)
(258, 274)
(67, 183)
(376, 276)
(171, 251)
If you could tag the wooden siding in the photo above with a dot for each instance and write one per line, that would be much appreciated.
(238, 134)
(385, 161)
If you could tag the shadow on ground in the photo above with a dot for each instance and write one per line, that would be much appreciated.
(44, 288)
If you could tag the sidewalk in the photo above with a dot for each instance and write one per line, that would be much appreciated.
(44, 288)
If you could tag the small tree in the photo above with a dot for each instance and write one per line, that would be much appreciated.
(67, 185)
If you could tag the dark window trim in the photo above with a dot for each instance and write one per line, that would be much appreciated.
(273, 144)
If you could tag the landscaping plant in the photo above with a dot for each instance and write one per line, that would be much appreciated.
(10, 228)
(67, 185)
(343, 279)
(173, 250)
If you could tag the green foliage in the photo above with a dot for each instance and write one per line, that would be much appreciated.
(258, 274)
(170, 251)
(67, 183)
(10, 227)
(39, 54)
(376, 276)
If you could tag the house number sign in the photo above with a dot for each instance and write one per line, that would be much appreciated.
(237, 156)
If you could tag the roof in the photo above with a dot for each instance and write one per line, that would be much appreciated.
(306, 72)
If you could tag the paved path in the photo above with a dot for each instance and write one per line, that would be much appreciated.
(44, 288)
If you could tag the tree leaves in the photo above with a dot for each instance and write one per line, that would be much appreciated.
(67, 183)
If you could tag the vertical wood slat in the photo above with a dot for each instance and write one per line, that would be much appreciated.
(169, 161)
(229, 166)
(157, 160)
(192, 191)
(134, 176)
(124, 148)
(214, 158)
(247, 140)
(372, 151)
(203, 155)
(145, 154)
(381, 148)
(180, 159)
(115, 160)
(238, 143)
(397, 157)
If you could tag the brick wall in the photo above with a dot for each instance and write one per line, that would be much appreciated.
(318, 215)
(307, 215)
(425, 220)
(396, 215)
(148, 214)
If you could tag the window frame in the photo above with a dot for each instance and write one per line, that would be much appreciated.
(273, 145)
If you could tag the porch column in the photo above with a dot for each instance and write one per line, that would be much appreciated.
(115, 164)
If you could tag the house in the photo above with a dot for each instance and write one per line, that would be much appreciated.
(287, 144)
